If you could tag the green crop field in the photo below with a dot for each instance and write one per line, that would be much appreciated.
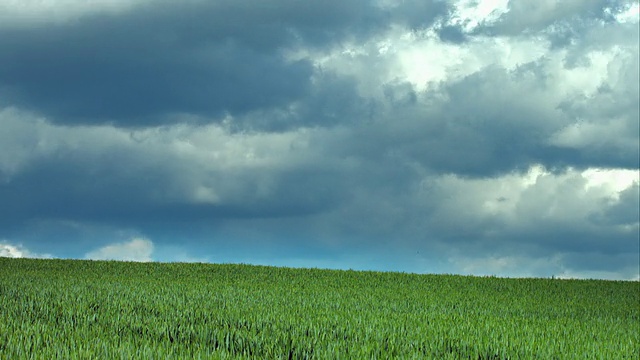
(71, 309)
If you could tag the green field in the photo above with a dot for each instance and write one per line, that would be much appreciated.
(72, 309)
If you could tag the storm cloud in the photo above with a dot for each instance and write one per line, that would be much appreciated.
(425, 136)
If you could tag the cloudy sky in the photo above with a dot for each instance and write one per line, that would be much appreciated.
(484, 137)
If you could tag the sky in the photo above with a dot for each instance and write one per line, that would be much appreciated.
(475, 137)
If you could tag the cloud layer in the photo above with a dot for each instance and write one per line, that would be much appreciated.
(426, 136)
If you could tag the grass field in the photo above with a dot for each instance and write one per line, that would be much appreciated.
(72, 309)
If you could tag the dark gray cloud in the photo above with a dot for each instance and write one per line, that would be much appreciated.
(453, 34)
(126, 183)
(133, 70)
(332, 100)
(623, 211)
(418, 15)
(204, 58)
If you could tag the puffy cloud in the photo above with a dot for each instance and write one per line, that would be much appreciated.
(137, 249)
(540, 222)
(533, 15)
(537, 201)
(18, 251)
(203, 172)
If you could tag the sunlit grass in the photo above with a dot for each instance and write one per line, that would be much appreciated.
(115, 310)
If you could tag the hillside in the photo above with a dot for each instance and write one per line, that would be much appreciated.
(75, 309)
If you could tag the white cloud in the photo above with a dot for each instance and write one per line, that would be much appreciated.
(524, 200)
(525, 266)
(603, 275)
(19, 251)
(137, 249)
(630, 15)
(506, 266)
(472, 13)
(539, 14)
(615, 180)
